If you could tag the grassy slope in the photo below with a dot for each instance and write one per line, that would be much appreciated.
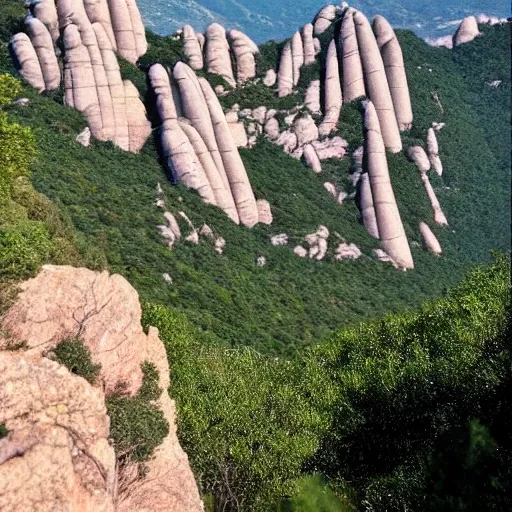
(110, 197)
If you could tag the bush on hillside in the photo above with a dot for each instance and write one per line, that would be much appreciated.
(76, 357)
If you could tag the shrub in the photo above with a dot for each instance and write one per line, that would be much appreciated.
(3, 430)
(76, 357)
(137, 426)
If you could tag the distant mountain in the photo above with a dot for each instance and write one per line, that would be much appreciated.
(276, 19)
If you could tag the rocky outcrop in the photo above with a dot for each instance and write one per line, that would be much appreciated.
(270, 78)
(46, 12)
(336, 147)
(281, 239)
(244, 49)
(26, 61)
(57, 421)
(466, 32)
(128, 29)
(346, 251)
(311, 158)
(98, 12)
(332, 92)
(433, 151)
(395, 71)
(429, 239)
(139, 127)
(56, 455)
(272, 129)
(367, 207)
(191, 48)
(308, 44)
(317, 242)
(218, 60)
(43, 46)
(264, 211)
(297, 56)
(353, 81)
(391, 230)
(377, 84)
(285, 73)
(305, 129)
(324, 18)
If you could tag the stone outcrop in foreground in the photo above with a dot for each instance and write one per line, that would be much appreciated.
(58, 427)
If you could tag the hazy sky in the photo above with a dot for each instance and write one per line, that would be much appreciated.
(278, 19)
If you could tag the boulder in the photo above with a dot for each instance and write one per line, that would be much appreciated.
(288, 140)
(312, 100)
(244, 49)
(191, 48)
(429, 239)
(220, 244)
(317, 242)
(46, 12)
(353, 81)
(270, 78)
(439, 215)
(285, 73)
(331, 188)
(297, 56)
(419, 157)
(324, 18)
(281, 239)
(261, 261)
(466, 32)
(346, 251)
(377, 84)
(43, 45)
(446, 41)
(308, 44)
(84, 137)
(305, 129)
(433, 151)
(311, 158)
(235, 169)
(332, 92)
(300, 251)
(26, 61)
(264, 211)
(239, 134)
(272, 129)
(218, 60)
(336, 147)
(391, 230)
(357, 165)
(139, 127)
(395, 71)
(259, 114)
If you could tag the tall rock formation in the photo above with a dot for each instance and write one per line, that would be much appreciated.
(324, 18)
(367, 207)
(429, 239)
(376, 83)
(308, 44)
(433, 151)
(192, 48)
(244, 49)
(391, 230)
(218, 60)
(353, 81)
(285, 73)
(466, 31)
(332, 91)
(395, 71)
(27, 62)
(297, 56)
(46, 12)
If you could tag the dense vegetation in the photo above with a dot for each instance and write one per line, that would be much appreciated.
(383, 410)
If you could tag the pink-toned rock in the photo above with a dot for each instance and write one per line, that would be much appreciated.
(429, 239)
(238, 133)
(311, 158)
(336, 147)
(104, 312)
(218, 60)
(270, 78)
(244, 49)
(285, 73)
(324, 18)
(288, 140)
(466, 32)
(297, 56)
(272, 129)
(312, 100)
(300, 251)
(367, 207)
(308, 44)
(439, 215)
(346, 251)
(139, 32)
(56, 455)
(317, 242)
(264, 212)
(419, 157)
(122, 26)
(389, 222)
(46, 12)
(433, 151)
(139, 127)
(332, 92)
(191, 48)
(99, 12)
(353, 80)
(43, 45)
(305, 129)
(27, 62)
(331, 188)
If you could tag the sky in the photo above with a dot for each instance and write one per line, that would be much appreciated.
(278, 19)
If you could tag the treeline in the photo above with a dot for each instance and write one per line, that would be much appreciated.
(408, 413)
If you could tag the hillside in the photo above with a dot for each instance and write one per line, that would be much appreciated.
(109, 197)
